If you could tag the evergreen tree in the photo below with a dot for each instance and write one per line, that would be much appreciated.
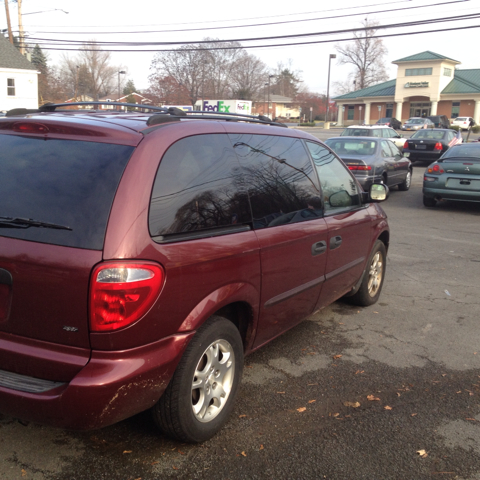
(39, 59)
(129, 88)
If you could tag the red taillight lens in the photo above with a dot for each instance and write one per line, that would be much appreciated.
(359, 167)
(30, 128)
(436, 169)
(438, 146)
(121, 293)
(405, 145)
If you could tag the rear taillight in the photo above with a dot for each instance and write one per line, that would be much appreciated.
(436, 169)
(359, 167)
(405, 145)
(438, 146)
(121, 293)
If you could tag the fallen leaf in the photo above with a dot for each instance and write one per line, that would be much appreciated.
(24, 472)
(359, 371)
(311, 401)
(261, 447)
(337, 356)
(472, 419)
(373, 398)
(398, 394)
(154, 463)
(414, 414)
(387, 407)
(422, 453)
(280, 392)
(336, 414)
(301, 409)
(241, 416)
(352, 404)
(311, 384)
(181, 453)
(174, 467)
(244, 454)
(127, 451)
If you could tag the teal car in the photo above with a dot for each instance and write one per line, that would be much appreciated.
(454, 176)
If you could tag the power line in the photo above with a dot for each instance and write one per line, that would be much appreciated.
(55, 42)
(335, 17)
(253, 18)
(349, 39)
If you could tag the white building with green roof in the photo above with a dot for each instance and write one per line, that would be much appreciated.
(427, 84)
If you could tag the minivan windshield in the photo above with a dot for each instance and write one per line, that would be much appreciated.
(58, 191)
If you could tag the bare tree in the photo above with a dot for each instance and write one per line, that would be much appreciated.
(366, 54)
(206, 71)
(248, 76)
(101, 73)
(186, 65)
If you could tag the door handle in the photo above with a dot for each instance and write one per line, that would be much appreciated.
(335, 242)
(319, 248)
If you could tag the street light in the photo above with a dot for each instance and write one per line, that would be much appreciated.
(264, 97)
(269, 77)
(332, 55)
(121, 72)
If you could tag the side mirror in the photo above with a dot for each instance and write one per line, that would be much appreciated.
(378, 192)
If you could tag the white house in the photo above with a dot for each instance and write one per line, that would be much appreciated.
(18, 79)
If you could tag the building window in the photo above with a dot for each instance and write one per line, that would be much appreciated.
(11, 87)
(413, 72)
(455, 109)
(389, 110)
(351, 111)
(447, 72)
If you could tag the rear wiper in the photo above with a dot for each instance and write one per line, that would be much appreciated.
(17, 222)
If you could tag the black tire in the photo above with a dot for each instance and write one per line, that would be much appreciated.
(429, 202)
(213, 360)
(405, 185)
(373, 277)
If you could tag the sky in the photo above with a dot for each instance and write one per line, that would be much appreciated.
(155, 21)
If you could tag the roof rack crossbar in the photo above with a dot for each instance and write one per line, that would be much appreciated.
(172, 111)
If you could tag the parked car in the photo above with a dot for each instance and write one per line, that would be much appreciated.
(378, 131)
(373, 160)
(390, 122)
(429, 145)
(143, 255)
(417, 123)
(455, 176)
(465, 123)
(440, 121)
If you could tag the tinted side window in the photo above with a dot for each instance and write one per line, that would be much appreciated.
(339, 188)
(64, 182)
(198, 187)
(282, 184)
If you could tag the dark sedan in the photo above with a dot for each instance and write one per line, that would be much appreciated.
(373, 160)
(390, 122)
(430, 144)
(455, 176)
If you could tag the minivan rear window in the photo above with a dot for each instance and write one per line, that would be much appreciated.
(65, 187)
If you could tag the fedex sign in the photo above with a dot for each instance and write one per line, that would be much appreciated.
(225, 106)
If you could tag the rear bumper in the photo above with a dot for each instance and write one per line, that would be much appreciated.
(446, 194)
(111, 387)
(423, 156)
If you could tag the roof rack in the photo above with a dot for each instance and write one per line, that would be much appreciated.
(159, 114)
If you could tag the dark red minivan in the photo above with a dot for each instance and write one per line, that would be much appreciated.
(142, 255)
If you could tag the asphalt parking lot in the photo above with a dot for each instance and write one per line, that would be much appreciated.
(386, 392)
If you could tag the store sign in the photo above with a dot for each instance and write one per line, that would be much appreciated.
(417, 84)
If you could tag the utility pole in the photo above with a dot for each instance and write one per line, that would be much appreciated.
(21, 36)
(9, 25)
